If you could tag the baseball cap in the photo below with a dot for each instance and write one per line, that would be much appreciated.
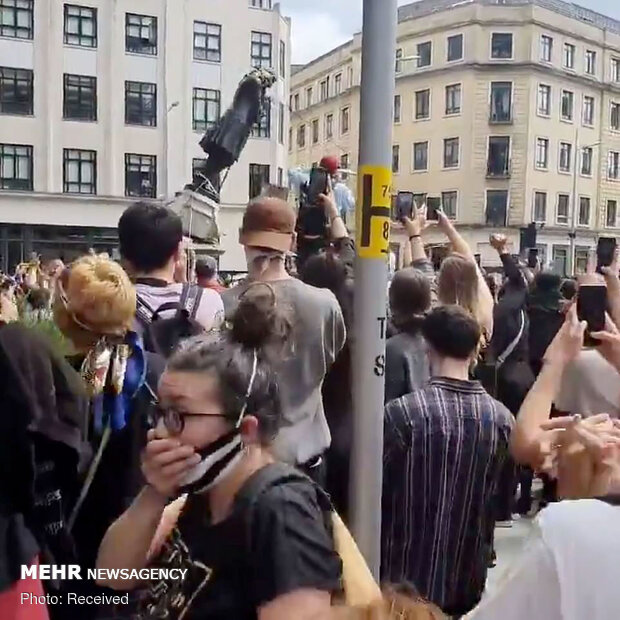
(268, 223)
(330, 163)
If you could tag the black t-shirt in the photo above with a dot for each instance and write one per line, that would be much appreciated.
(238, 565)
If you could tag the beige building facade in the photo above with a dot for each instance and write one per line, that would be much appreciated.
(103, 103)
(510, 111)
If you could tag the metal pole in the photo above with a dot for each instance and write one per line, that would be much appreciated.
(573, 229)
(371, 268)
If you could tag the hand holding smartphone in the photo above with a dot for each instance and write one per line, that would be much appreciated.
(591, 308)
(433, 206)
(404, 206)
(605, 252)
(319, 184)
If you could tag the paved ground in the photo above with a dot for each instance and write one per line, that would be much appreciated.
(509, 544)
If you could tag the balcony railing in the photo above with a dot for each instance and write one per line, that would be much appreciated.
(499, 170)
(500, 117)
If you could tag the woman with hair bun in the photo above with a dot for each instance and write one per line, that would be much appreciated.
(253, 534)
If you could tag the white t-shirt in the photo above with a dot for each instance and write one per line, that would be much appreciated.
(569, 571)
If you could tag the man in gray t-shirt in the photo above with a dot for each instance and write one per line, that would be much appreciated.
(319, 333)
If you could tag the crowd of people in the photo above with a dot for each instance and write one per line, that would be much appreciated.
(172, 422)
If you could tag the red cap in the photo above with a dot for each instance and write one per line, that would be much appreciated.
(330, 163)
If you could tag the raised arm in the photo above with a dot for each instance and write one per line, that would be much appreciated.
(534, 413)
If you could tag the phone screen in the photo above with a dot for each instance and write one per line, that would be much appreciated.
(605, 251)
(591, 307)
(319, 180)
(404, 205)
(433, 204)
(532, 258)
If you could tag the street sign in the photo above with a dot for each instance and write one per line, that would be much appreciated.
(373, 212)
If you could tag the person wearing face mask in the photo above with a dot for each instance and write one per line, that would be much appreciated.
(251, 533)
(319, 333)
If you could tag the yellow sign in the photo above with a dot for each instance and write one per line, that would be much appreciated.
(373, 214)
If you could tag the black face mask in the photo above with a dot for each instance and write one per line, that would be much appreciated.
(217, 460)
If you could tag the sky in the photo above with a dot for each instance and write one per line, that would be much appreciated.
(321, 25)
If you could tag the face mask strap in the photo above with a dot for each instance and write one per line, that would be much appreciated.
(249, 390)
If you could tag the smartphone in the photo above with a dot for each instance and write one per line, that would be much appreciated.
(404, 205)
(605, 251)
(532, 258)
(319, 184)
(433, 205)
(591, 307)
(478, 258)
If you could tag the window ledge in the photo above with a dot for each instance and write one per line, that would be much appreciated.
(204, 61)
(80, 47)
(419, 171)
(17, 115)
(137, 125)
(541, 169)
(141, 54)
(79, 120)
(7, 38)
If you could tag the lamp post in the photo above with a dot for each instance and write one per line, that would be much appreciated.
(576, 207)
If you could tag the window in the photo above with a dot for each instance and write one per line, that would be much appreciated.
(540, 207)
(399, 64)
(207, 42)
(542, 153)
(324, 89)
(16, 167)
(546, 48)
(262, 127)
(590, 62)
(582, 255)
(315, 131)
(344, 120)
(260, 53)
(501, 45)
(420, 156)
(395, 158)
(498, 160)
(615, 69)
(140, 175)
(140, 103)
(453, 99)
(423, 104)
(329, 126)
(301, 136)
(614, 165)
(206, 108)
(544, 100)
(282, 62)
(569, 56)
(16, 91)
(260, 4)
(80, 25)
(588, 110)
(337, 84)
(497, 207)
(566, 151)
(586, 161)
(141, 34)
(455, 47)
(501, 102)
(561, 214)
(397, 108)
(584, 211)
(448, 204)
(79, 172)
(259, 177)
(560, 258)
(290, 139)
(17, 19)
(612, 214)
(568, 104)
(280, 177)
(615, 116)
(344, 165)
(425, 53)
(451, 147)
(80, 97)
(281, 120)
(308, 97)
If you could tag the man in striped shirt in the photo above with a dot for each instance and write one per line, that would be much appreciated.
(445, 447)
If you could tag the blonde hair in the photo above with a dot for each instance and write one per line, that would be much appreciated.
(94, 297)
(457, 283)
(393, 606)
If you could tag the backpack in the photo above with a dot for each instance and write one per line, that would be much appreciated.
(162, 335)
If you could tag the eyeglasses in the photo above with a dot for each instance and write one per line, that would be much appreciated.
(174, 420)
